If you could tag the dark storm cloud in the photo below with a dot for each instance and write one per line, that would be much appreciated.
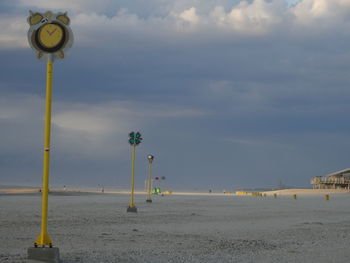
(226, 94)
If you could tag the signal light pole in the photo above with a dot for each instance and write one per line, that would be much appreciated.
(150, 160)
(134, 140)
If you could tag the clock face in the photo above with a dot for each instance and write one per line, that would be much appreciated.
(50, 37)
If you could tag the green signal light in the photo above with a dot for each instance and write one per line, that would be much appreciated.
(135, 138)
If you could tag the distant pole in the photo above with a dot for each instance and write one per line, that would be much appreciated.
(150, 160)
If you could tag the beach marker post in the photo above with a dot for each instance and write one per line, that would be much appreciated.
(50, 36)
(134, 140)
(149, 185)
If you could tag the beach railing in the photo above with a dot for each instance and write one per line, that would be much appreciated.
(342, 181)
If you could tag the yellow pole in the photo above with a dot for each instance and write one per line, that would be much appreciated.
(149, 199)
(43, 239)
(132, 176)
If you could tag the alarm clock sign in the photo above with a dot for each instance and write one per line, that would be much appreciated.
(49, 34)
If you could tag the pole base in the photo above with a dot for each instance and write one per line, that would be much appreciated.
(132, 209)
(43, 240)
(44, 254)
(149, 201)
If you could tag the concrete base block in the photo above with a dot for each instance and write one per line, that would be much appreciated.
(44, 254)
(149, 201)
(132, 209)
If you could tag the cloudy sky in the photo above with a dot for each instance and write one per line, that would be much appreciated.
(227, 93)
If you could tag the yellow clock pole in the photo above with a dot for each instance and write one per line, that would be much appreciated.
(43, 239)
(50, 36)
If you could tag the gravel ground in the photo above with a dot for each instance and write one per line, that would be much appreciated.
(96, 228)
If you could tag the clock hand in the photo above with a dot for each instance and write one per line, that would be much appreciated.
(50, 33)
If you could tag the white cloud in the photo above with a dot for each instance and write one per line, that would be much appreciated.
(190, 15)
(13, 32)
(250, 18)
(93, 23)
(259, 17)
(122, 20)
(83, 122)
(67, 5)
(321, 13)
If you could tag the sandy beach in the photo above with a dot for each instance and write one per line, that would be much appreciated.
(91, 227)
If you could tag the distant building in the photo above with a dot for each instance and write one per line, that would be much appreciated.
(337, 180)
